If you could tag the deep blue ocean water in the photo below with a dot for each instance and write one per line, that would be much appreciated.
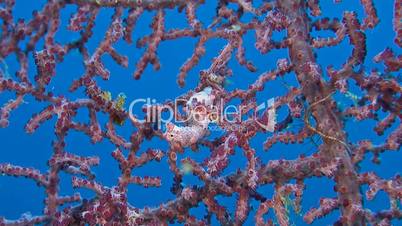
(19, 196)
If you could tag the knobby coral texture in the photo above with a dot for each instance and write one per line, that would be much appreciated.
(311, 102)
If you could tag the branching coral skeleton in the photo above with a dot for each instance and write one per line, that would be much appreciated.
(337, 158)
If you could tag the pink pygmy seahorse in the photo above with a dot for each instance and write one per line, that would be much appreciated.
(197, 106)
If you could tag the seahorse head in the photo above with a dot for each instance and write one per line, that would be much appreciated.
(172, 132)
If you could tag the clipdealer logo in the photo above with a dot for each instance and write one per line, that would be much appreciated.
(264, 114)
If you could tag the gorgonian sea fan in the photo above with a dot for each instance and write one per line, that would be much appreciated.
(312, 103)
